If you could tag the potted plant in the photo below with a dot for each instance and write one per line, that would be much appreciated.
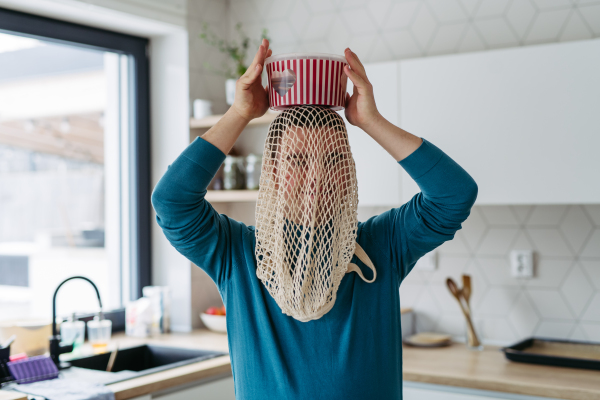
(236, 50)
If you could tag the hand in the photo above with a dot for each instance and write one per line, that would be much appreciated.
(251, 98)
(360, 109)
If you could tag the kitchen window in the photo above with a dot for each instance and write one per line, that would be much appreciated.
(74, 166)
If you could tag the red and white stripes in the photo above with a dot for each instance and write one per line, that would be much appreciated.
(317, 82)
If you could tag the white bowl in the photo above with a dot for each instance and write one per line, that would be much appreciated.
(217, 323)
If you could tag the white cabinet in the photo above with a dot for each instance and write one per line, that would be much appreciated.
(524, 122)
(426, 394)
(426, 391)
(221, 389)
(378, 174)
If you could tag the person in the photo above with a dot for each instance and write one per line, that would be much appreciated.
(354, 351)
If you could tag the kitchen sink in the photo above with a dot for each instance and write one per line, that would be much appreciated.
(144, 360)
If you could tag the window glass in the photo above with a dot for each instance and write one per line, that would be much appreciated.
(63, 165)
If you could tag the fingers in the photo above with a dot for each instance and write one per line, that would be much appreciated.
(360, 85)
(261, 54)
(255, 69)
(355, 64)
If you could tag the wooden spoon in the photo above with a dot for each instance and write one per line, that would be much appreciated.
(457, 293)
(466, 290)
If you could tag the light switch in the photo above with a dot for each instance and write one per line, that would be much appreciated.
(521, 263)
(428, 262)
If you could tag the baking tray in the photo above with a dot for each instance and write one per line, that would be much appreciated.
(561, 353)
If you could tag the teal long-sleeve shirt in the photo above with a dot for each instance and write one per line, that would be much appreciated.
(355, 350)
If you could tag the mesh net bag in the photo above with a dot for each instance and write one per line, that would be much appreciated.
(306, 213)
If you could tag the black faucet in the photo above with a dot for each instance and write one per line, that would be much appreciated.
(56, 349)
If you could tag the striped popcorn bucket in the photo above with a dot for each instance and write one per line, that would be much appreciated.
(306, 78)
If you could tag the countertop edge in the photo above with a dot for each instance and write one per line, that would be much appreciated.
(502, 386)
(6, 395)
(144, 385)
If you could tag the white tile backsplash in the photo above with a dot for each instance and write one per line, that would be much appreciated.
(524, 317)
(577, 290)
(563, 298)
(446, 11)
(402, 15)
(576, 227)
(447, 37)
(591, 15)
(379, 10)
(424, 26)
(520, 15)
(592, 247)
(552, 4)
(499, 216)
(592, 269)
(497, 271)
(549, 273)
(544, 215)
(492, 8)
(497, 301)
(550, 304)
(496, 32)
(576, 29)
(591, 331)
(497, 242)
(593, 212)
(549, 241)
(592, 313)
(547, 26)
(554, 329)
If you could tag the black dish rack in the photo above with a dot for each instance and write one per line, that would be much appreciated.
(519, 352)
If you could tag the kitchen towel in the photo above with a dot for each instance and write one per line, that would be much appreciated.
(67, 389)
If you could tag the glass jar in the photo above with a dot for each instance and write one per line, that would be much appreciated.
(233, 173)
(99, 332)
(253, 167)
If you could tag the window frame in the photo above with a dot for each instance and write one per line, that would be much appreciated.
(63, 32)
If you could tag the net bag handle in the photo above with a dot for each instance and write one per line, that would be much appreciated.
(362, 256)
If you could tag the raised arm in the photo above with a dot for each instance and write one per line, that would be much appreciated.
(447, 191)
(361, 111)
(432, 216)
(188, 221)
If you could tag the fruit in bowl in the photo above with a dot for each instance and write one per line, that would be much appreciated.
(214, 319)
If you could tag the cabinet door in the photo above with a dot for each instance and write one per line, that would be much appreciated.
(221, 389)
(377, 172)
(524, 122)
(424, 391)
(425, 394)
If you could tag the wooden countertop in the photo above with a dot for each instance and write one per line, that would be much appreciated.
(490, 370)
(453, 365)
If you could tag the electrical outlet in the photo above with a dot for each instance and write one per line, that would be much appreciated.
(521, 263)
(428, 262)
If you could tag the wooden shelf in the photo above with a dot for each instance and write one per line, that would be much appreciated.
(208, 122)
(231, 196)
